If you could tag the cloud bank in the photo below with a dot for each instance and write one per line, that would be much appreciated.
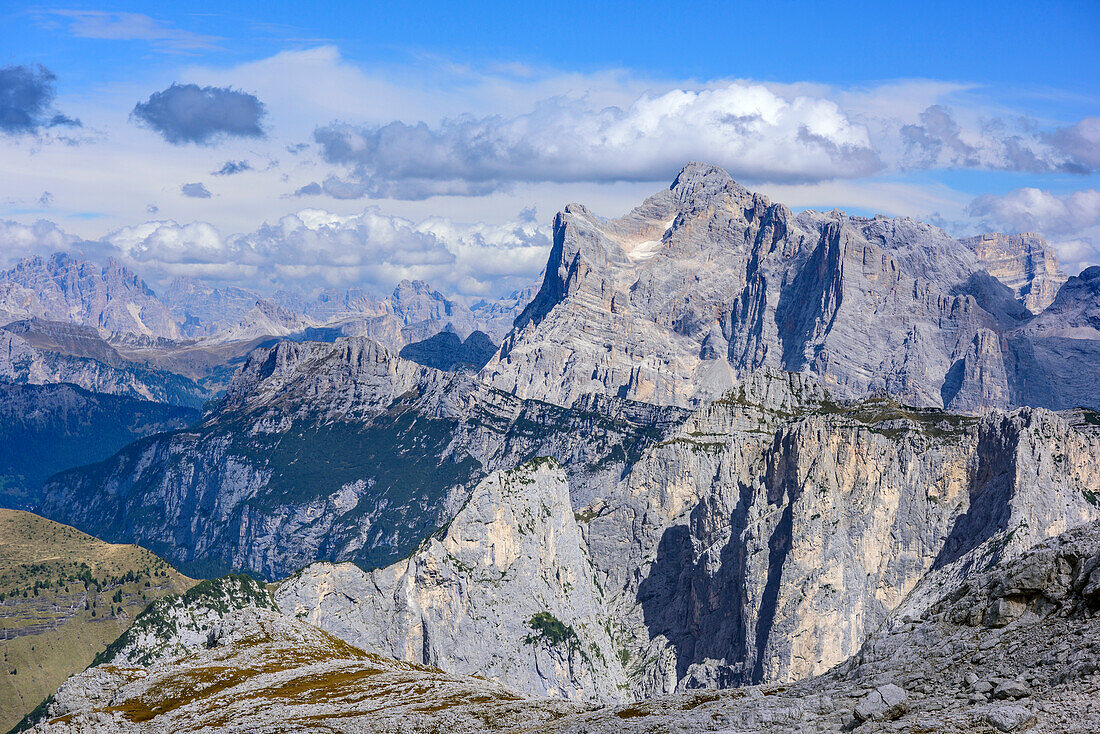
(747, 128)
(312, 250)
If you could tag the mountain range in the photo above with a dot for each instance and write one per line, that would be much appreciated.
(847, 465)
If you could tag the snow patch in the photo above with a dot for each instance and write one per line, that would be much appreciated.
(647, 249)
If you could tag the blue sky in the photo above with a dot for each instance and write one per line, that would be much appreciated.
(437, 139)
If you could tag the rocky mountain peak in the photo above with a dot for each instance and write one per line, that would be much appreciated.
(697, 183)
(706, 281)
(1024, 262)
(62, 288)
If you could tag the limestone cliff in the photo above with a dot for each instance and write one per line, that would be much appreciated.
(506, 591)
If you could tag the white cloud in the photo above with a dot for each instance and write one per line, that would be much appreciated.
(495, 140)
(1040, 211)
(1071, 221)
(756, 134)
(42, 238)
(131, 27)
(314, 249)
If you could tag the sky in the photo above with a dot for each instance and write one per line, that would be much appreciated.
(328, 145)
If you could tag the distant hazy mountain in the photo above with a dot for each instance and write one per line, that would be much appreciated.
(1023, 262)
(38, 352)
(60, 288)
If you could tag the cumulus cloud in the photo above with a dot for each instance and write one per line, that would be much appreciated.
(195, 191)
(188, 113)
(1080, 143)
(26, 100)
(232, 167)
(316, 249)
(1071, 221)
(937, 140)
(43, 238)
(757, 134)
(1040, 211)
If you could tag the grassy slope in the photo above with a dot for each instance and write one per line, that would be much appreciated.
(49, 635)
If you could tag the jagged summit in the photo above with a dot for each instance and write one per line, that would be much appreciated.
(63, 288)
(706, 281)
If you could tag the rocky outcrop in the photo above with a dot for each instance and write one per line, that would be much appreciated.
(269, 673)
(177, 626)
(505, 591)
(44, 352)
(707, 281)
(339, 452)
(961, 667)
(203, 309)
(1023, 262)
(763, 540)
(774, 559)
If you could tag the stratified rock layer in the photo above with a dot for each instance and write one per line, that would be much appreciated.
(708, 281)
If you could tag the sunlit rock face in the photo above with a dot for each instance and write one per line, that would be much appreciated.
(1023, 262)
(707, 281)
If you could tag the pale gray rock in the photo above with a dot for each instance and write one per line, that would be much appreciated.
(1010, 689)
(1024, 262)
(61, 288)
(1010, 718)
(885, 703)
(339, 451)
(505, 592)
(39, 352)
(707, 281)
(271, 673)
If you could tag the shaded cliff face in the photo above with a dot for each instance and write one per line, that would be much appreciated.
(45, 429)
(774, 559)
(707, 281)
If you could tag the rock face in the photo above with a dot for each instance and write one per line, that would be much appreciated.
(1023, 262)
(763, 540)
(260, 671)
(337, 451)
(708, 281)
(60, 288)
(37, 352)
(506, 591)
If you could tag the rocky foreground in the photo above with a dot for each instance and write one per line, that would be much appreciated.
(1014, 648)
